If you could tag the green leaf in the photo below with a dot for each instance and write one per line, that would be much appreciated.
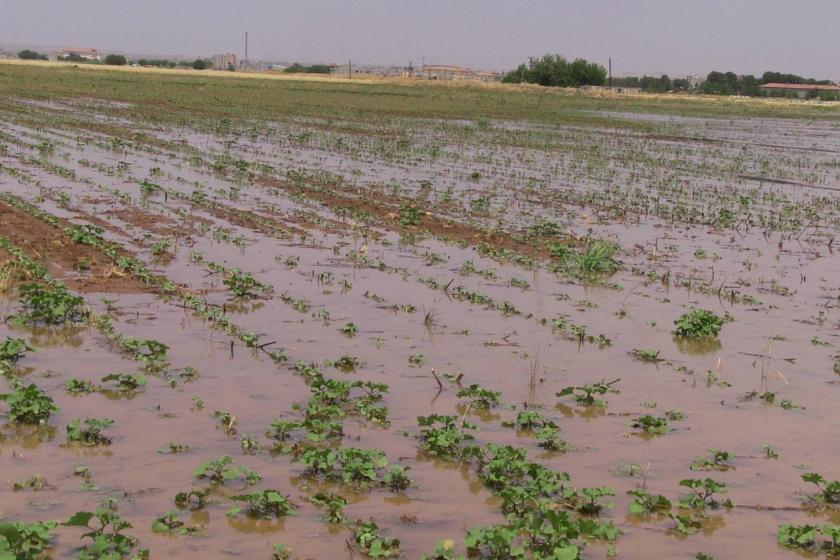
(79, 519)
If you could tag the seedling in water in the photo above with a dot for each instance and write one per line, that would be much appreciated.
(715, 462)
(223, 470)
(585, 394)
(265, 504)
(442, 435)
(703, 495)
(645, 503)
(480, 397)
(13, 349)
(108, 540)
(332, 503)
(829, 490)
(372, 544)
(29, 405)
(698, 323)
(125, 381)
(651, 424)
(88, 432)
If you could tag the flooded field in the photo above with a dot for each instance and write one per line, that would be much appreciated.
(313, 320)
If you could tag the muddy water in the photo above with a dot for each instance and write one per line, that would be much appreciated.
(781, 340)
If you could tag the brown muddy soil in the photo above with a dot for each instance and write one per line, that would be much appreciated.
(81, 267)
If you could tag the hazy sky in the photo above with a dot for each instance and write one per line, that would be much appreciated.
(650, 36)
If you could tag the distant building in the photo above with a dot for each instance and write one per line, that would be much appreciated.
(694, 81)
(615, 89)
(447, 72)
(224, 61)
(801, 90)
(83, 54)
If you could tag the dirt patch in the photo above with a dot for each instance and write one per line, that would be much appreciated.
(81, 267)
(386, 210)
(154, 223)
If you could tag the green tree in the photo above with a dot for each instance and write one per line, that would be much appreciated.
(116, 60)
(554, 70)
(199, 64)
(28, 54)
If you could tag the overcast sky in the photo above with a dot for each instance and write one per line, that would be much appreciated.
(642, 36)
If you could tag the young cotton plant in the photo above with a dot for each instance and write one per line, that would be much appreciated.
(29, 404)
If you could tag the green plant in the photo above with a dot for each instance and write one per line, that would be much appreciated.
(646, 355)
(160, 247)
(108, 540)
(646, 503)
(249, 444)
(586, 500)
(88, 432)
(529, 420)
(808, 538)
(416, 360)
(409, 215)
(332, 503)
(25, 541)
(480, 397)
(698, 323)
(829, 490)
(194, 499)
(352, 465)
(51, 304)
(442, 435)
(223, 469)
(78, 386)
(651, 424)
(281, 552)
(242, 284)
(125, 381)
(265, 503)
(597, 258)
(704, 494)
(548, 437)
(397, 479)
(584, 395)
(13, 349)
(29, 405)
(715, 462)
(444, 550)
(171, 522)
(151, 352)
(372, 544)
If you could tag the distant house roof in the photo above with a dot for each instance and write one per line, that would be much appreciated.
(802, 87)
(444, 68)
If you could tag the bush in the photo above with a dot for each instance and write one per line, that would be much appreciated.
(116, 60)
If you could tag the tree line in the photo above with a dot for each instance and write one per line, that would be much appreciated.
(297, 68)
(729, 83)
(119, 60)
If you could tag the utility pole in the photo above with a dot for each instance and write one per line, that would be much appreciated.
(610, 74)
(349, 68)
(246, 47)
